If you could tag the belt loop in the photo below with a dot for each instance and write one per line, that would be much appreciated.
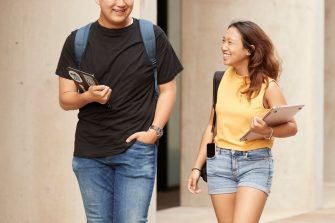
(217, 150)
(246, 154)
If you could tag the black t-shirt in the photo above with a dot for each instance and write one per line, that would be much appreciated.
(118, 59)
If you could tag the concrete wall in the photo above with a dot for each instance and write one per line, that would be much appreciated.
(296, 28)
(329, 91)
(37, 182)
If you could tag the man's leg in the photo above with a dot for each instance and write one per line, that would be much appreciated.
(134, 181)
(96, 182)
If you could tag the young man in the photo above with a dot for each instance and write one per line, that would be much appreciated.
(115, 145)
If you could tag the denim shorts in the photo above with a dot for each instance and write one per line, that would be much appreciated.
(230, 169)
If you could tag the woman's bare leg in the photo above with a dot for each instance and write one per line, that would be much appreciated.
(249, 205)
(224, 207)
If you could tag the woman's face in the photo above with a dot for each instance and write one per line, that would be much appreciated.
(115, 13)
(234, 54)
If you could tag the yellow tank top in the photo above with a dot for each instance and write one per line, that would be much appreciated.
(234, 113)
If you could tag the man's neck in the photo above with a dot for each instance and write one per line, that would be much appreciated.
(103, 22)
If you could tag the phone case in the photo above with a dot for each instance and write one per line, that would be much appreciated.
(210, 150)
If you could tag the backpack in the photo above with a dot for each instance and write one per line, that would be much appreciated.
(148, 38)
(216, 82)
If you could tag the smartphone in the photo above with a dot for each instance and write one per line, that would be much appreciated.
(210, 150)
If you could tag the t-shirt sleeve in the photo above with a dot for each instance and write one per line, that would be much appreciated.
(168, 64)
(67, 58)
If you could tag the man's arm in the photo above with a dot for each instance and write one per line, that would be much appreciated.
(70, 99)
(165, 103)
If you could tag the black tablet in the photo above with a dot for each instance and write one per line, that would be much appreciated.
(83, 80)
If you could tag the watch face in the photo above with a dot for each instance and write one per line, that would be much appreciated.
(159, 131)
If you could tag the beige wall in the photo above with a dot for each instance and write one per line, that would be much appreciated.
(296, 28)
(37, 183)
(329, 92)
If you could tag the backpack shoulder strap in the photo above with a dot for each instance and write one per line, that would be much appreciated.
(216, 82)
(80, 42)
(149, 40)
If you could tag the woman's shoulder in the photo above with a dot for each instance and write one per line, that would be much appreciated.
(272, 83)
(273, 93)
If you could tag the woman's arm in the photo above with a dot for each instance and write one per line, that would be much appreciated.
(274, 97)
(192, 184)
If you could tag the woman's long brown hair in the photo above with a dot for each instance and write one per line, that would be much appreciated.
(263, 61)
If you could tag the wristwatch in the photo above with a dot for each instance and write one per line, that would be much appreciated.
(159, 131)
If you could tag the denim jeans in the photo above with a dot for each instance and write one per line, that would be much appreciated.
(118, 188)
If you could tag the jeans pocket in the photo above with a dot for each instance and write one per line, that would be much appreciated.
(141, 148)
(143, 143)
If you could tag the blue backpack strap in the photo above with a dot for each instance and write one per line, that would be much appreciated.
(80, 42)
(149, 40)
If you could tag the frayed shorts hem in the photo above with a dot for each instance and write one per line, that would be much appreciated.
(233, 190)
(224, 191)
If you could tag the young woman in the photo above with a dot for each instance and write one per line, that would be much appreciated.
(240, 173)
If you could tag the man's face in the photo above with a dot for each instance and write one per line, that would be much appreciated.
(115, 13)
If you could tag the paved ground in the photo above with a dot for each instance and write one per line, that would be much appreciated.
(206, 215)
(320, 216)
